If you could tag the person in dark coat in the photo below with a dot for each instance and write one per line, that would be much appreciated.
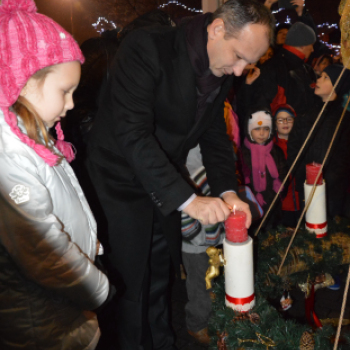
(263, 163)
(284, 117)
(286, 78)
(99, 53)
(336, 171)
(165, 94)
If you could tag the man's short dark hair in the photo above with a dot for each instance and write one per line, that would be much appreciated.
(236, 14)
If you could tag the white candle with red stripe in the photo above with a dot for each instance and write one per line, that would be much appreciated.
(316, 214)
(239, 271)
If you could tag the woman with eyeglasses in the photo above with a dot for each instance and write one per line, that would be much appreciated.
(336, 170)
(284, 116)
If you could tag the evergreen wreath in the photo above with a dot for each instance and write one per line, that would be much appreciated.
(263, 327)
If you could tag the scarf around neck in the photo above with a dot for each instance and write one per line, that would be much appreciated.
(208, 85)
(262, 159)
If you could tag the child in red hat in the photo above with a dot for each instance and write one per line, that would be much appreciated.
(284, 116)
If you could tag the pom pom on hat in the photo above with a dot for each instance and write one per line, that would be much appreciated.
(29, 42)
(8, 6)
(259, 119)
(300, 34)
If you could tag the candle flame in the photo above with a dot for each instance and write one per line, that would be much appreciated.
(234, 209)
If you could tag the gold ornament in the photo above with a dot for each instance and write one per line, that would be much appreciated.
(216, 260)
(307, 341)
(321, 281)
(261, 340)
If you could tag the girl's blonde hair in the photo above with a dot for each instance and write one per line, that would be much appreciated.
(35, 127)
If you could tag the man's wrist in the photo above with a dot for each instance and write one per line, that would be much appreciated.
(228, 191)
(189, 201)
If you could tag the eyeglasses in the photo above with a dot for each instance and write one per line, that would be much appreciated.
(288, 120)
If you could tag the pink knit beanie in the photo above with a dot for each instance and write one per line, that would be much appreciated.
(30, 41)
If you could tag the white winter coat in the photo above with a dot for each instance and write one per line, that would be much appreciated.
(47, 274)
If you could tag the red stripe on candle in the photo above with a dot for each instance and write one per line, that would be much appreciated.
(240, 301)
(320, 235)
(316, 226)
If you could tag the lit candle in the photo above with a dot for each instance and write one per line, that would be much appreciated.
(236, 231)
(312, 170)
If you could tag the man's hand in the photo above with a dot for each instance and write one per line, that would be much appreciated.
(208, 210)
(299, 6)
(233, 200)
(269, 3)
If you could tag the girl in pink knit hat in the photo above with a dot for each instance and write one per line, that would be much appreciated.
(48, 280)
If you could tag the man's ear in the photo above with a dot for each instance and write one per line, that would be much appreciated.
(216, 29)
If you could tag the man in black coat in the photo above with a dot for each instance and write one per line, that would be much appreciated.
(165, 94)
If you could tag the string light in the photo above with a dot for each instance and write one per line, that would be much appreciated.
(174, 2)
(277, 11)
(329, 26)
(331, 46)
(320, 26)
(102, 21)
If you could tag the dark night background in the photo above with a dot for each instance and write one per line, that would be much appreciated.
(83, 13)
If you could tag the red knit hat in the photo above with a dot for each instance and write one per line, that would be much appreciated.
(30, 41)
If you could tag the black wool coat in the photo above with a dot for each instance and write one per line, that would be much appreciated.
(139, 143)
(286, 75)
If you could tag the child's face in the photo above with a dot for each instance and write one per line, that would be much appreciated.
(284, 123)
(54, 97)
(323, 64)
(260, 135)
(324, 87)
(281, 36)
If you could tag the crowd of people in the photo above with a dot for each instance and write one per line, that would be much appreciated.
(173, 125)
